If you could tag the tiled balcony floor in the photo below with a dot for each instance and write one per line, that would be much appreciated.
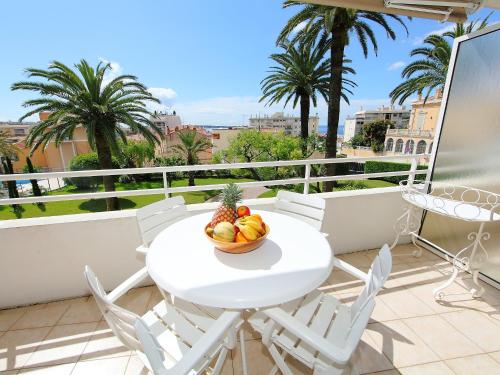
(410, 333)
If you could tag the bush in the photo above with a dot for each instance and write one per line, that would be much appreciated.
(385, 166)
(85, 162)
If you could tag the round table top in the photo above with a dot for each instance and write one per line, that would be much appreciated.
(293, 260)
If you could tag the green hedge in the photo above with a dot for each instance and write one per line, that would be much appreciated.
(387, 166)
(84, 162)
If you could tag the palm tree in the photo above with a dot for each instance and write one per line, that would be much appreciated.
(189, 148)
(429, 72)
(336, 26)
(84, 97)
(7, 148)
(301, 73)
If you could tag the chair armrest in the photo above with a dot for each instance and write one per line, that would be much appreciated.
(128, 284)
(141, 249)
(200, 349)
(350, 269)
(316, 341)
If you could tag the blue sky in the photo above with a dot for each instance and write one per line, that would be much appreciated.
(203, 58)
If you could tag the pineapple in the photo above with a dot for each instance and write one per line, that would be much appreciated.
(227, 209)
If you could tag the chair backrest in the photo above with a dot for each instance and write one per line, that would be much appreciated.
(362, 308)
(153, 218)
(385, 257)
(120, 320)
(153, 350)
(307, 208)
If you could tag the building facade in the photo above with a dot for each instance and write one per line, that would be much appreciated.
(172, 138)
(352, 126)
(418, 137)
(166, 120)
(289, 124)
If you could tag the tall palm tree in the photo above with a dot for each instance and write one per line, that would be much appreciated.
(7, 148)
(189, 148)
(429, 72)
(337, 26)
(84, 97)
(300, 74)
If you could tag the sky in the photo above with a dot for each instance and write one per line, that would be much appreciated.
(205, 59)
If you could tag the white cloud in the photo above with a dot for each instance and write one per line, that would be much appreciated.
(396, 65)
(115, 71)
(448, 27)
(162, 92)
(299, 27)
(235, 110)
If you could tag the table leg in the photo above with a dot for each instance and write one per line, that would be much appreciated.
(408, 224)
(243, 352)
(472, 263)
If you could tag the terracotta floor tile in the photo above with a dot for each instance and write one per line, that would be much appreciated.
(400, 344)
(44, 317)
(64, 369)
(444, 339)
(17, 346)
(106, 366)
(369, 356)
(9, 317)
(64, 344)
(436, 368)
(258, 358)
(477, 364)
(478, 327)
(104, 344)
(396, 298)
(81, 311)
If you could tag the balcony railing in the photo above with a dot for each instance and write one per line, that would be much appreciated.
(306, 180)
(409, 133)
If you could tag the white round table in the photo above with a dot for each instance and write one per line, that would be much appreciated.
(294, 260)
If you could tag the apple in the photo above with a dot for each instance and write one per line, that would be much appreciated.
(243, 211)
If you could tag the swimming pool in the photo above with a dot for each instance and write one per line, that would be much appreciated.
(21, 182)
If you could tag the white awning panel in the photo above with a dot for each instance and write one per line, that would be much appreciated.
(442, 10)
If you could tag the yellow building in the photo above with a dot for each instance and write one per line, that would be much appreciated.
(418, 137)
(51, 158)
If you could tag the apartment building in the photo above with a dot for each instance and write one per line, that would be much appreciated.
(289, 124)
(418, 137)
(166, 120)
(353, 124)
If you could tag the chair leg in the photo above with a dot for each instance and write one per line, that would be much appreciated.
(243, 352)
(275, 368)
(220, 362)
(278, 359)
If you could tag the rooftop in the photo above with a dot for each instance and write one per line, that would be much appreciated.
(410, 333)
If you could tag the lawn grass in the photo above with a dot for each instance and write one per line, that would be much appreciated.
(342, 186)
(99, 205)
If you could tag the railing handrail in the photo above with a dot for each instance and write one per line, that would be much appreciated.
(198, 167)
(306, 180)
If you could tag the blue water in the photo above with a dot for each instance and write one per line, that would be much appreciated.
(20, 182)
(323, 128)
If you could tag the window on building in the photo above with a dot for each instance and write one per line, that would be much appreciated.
(399, 146)
(410, 145)
(216, 136)
(389, 145)
(421, 147)
(420, 120)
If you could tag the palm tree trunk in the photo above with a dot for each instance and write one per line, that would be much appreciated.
(105, 161)
(339, 41)
(190, 161)
(305, 105)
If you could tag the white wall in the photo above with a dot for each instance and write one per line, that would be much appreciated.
(42, 259)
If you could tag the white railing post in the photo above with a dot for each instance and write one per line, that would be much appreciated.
(165, 184)
(307, 175)
(413, 170)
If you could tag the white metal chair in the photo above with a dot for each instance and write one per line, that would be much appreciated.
(155, 217)
(191, 337)
(318, 330)
(308, 208)
(311, 209)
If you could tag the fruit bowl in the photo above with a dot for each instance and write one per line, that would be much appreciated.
(237, 247)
